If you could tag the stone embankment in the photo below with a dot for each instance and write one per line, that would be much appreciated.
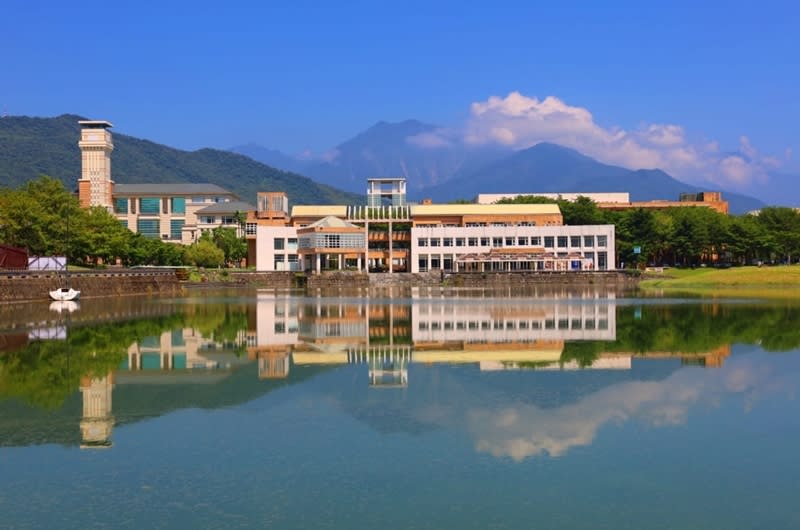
(29, 285)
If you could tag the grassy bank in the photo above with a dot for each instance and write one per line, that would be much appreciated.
(778, 281)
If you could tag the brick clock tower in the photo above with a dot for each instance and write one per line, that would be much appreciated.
(95, 185)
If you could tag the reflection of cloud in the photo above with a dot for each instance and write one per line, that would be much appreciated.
(526, 430)
(519, 121)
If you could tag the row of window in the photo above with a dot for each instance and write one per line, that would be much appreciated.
(152, 228)
(564, 323)
(154, 205)
(280, 243)
(445, 262)
(516, 241)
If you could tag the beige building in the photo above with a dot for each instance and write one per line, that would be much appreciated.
(176, 213)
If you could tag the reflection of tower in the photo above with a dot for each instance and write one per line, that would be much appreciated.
(97, 420)
(95, 185)
(388, 365)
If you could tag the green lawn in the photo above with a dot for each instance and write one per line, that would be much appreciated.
(737, 281)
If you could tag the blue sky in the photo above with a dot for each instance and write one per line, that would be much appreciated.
(307, 75)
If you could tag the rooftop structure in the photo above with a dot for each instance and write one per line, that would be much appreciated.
(608, 197)
(383, 190)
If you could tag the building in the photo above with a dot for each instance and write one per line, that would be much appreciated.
(422, 237)
(177, 213)
(621, 201)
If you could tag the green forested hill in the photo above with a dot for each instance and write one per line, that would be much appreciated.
(30, 147)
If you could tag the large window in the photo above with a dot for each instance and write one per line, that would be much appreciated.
(562, 241)
(602, 241)
(148, 228)
(121, 205)
(175, 228)
(422, 241)
(588, 241)
(549, 241)
(575, 241)
(149, 205)
(278, 243)
(178, 205)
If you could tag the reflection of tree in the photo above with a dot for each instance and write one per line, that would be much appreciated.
(46, 372)
(695, 328)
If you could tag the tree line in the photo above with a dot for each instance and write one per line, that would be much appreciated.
(689, 236)
(47, 220)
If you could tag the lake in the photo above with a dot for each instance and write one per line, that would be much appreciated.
(427, 408)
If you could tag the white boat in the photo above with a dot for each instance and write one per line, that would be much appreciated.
(65, 294)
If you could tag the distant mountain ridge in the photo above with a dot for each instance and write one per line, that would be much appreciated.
(30, 147)
(551, 168)
(444, 168)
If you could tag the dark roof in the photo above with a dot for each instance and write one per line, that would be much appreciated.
(226, 207)
(176, 188)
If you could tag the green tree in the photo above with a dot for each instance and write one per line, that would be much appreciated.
(204, 254)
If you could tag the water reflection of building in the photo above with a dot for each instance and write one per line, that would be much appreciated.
(388, 337)
(97, 420)
(180, 349)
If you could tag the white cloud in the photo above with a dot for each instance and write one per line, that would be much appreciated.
(519, 121)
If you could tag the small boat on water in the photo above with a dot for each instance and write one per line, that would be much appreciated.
(65, 294)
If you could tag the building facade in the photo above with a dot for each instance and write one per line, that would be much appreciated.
(175, 213)
(425, 237)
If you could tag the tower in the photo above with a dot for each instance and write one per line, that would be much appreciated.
(95, 185)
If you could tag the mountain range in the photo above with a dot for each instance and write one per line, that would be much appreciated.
(30, 147)
(440, 167)
(435, 165)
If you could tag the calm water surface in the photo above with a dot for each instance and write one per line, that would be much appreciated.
(457, 409)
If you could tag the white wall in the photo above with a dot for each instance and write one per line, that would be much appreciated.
(491, 232)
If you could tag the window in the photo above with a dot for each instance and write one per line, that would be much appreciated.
(602, 261)
(484, 241)
(292, 258)
(208, 219)
(279, 262)
(522, 241)
(120, 205)
(149, 205)
(549, 241)
(332, 241)
(175, 228)
(148, 228)
(575, 241)
(509, 241)
(164, 206)
(422, 242)
(423, 263)
(602, 241)
(562, 241)
(588, 241)
(179, 205)
(435, 241)
(497, 241)
(197, 200)
(460, 241)
(536, 241)
(291, 243)
(447, 242)
(133, 205)
(251, 228)
(473, 241)
(436, 262)
(278, 243)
